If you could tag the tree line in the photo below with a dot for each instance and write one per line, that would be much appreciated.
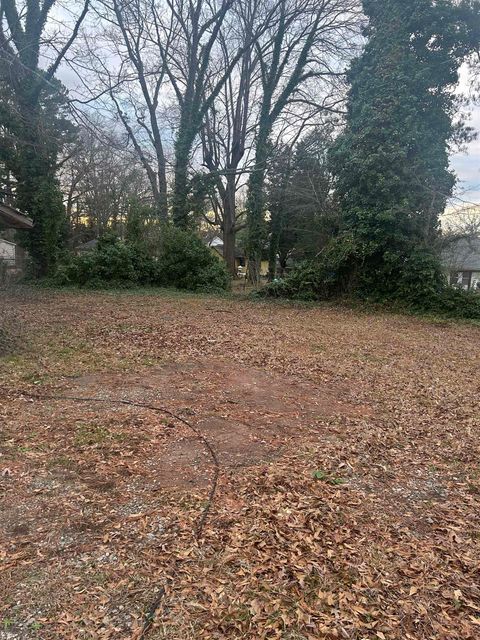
(314, 130)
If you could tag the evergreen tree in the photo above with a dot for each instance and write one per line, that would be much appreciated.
(314, 207)
(34, 165)
(138, 214)
(33, 122)
(391, 162)
(302, 206)
(32, 138)
(282, 235)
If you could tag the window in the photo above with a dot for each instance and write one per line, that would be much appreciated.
(466, 279)
(461, 279)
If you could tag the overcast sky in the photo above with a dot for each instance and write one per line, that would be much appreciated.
(467, 166)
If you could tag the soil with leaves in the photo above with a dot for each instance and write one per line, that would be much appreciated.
(348, 496)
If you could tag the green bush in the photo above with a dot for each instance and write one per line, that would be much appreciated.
(326, 277)
(111, 264)
(183, 262)
(421, 279)
(421, 285)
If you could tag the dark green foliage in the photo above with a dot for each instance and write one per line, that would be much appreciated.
(36, 130)
(111, 264)
(42, 198)
(33, 120)
(186, 263)
(421, 287)
(313, 205)
(316, 279)
(138, 214)
(391, 162)
(255, 205)
(304, 213)
(282, 229)
(183, 262)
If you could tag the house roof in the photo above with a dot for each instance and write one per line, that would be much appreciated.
(14, 219)
(239, 253)
(462, 254)
(215, 242)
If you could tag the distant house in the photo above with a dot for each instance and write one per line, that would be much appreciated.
(8, 252)
(241, 261)
(11, 256)
(10, 218)
(461, 259)
(216, 245)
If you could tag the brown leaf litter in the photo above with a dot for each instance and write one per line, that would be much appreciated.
(349, 489)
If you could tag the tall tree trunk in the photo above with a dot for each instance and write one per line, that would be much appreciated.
(229, 249)
(256, 207)
(183, 147)
(229, 225)
(283, 263)
(180, 193)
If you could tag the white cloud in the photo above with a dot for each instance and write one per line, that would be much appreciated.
(466, 164)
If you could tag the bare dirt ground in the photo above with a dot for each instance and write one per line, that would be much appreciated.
(347, 453)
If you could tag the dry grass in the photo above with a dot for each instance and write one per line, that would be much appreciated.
(350, 487)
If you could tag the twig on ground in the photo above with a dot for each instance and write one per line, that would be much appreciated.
(154, 606)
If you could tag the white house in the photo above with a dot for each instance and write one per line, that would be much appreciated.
(8, 252)
(10, 256)
(461, 259)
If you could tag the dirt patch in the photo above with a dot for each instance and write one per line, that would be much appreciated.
(247, 414)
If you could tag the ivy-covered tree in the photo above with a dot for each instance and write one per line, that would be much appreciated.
(38, 147)
(32, 120)
(392, 161)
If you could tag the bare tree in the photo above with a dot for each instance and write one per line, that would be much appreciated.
(197, 72)
(226, 133)
(100, 179)
(300, 60)
(162, 49)
(156, 41)
(126, 73)
(137, 22)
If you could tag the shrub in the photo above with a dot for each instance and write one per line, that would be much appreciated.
(110, 264)
(325, 277)
(183, 262)
(420, 285)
